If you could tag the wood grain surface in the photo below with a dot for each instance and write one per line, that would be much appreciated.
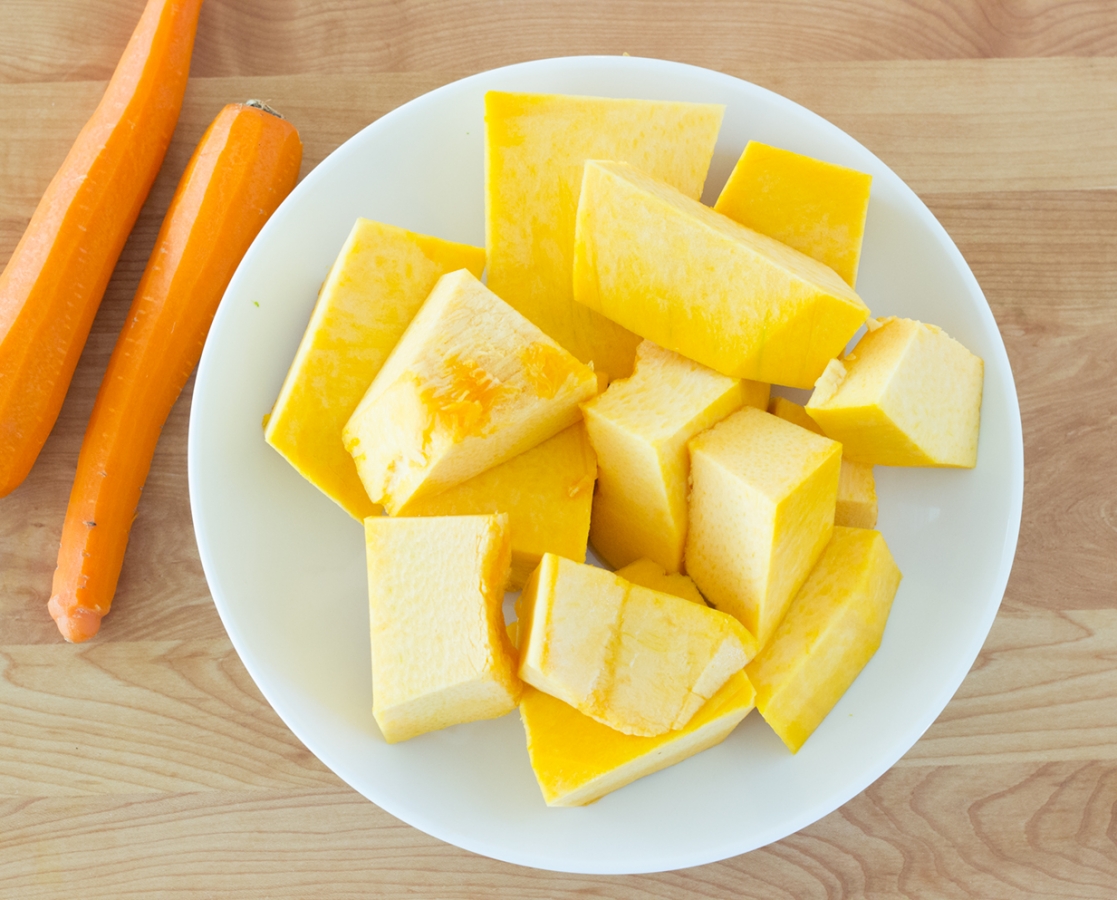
(146, 763)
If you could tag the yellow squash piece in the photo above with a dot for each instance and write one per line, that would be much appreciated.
(832, 629)
(790, 411)
(535, 147)
(678, 273)
(440, 652)
(816, 207)
(380, 279)
(907, 395)
(649, 574)
(761, 512)
(577, 760)
(637, 660)
(857, 496)
(546, 491)
(470, 384)
(639, 428)
(857, 489)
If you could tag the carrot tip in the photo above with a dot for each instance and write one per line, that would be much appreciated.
(76, 624)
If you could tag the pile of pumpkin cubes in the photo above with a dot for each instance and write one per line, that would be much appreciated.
(611, 383)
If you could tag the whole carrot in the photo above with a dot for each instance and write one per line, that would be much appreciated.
(246, 163)
(54, 281)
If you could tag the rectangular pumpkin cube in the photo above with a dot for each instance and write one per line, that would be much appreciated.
(470, 384)
(378, 282)
(546, 491)
(577, 760)
(817, 207)
(639, 429)
(857, 489)
(832, 629)
(761, 512)
(440, 652)
(696, 282)
(907, 395)
(535, 148)
(637, 660)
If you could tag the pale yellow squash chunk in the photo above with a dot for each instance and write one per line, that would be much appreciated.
(577, 760)
(907, 395)
(547, 492)
(857, 489)
(761, 511)
(678, 273)
(856, 506)
(378, 282)
(440, 652)
(535, 148)
(639, 428)
(470, 384)
(832, 629)
(816, 207)
(637, 660)
(649, 574)
(790, 411)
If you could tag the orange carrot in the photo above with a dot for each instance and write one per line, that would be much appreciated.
(54, 281)
(246, 163)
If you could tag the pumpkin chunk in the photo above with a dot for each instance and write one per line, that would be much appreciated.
(907, 395)
(378, 282)
(634, 659)
(761, 512)
(470, 384)
(577, 760)
(816, 207)
(678, 273)
(440, 653)
(832, 629)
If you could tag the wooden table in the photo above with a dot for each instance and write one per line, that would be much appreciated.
(146, 763)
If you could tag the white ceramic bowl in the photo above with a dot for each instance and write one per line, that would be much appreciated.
(286, 566)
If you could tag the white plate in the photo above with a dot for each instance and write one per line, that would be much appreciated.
(286, 566)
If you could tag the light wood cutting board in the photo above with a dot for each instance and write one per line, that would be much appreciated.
(146, 763)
